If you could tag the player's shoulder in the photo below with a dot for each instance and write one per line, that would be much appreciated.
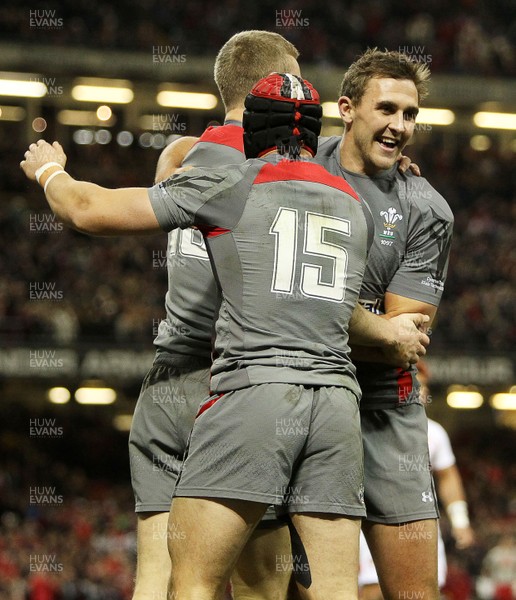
(224, 135)
(172, 156)
(303, 170)
(208, 181)
(420, 195)
(327, 145)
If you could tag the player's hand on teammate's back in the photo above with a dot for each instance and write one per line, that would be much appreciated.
(39, 154)
(405, 163)
(411, 340)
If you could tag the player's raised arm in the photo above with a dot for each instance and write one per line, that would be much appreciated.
(86, 206)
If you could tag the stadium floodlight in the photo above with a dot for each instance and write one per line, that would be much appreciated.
(480, 143)
(504, 401)
(22, 86)
(95, 395)
(12, 113)
(58, 395)
(83, 118)
(464, 397)
(435, 116)
(330, 110)
(495, 120)
(191, 100)
(108, 91)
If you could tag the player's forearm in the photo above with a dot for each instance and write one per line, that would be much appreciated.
(368, 329)
(85, 206)
(74, 202)
(397, 342)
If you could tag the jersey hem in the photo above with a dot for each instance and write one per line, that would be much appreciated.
(143, 507)
(401, 519)
(331, 509)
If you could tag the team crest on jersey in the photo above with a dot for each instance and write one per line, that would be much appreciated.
(391, 217)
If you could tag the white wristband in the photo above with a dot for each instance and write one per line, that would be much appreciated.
(50, 177)
(458, 514)
(46, 166)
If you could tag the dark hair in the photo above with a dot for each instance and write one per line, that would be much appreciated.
(374, 63)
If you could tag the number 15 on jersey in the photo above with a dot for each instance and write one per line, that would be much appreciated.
(326, 282)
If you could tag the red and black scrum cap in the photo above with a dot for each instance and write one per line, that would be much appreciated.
(283, 111)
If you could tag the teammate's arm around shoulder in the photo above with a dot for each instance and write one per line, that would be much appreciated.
(86, 206)
(172, 157)
(399, 342)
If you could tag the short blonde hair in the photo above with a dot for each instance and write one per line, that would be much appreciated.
(247, 57)
(374, 63)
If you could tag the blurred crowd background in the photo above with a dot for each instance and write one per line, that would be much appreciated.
(81, 543)
(466, 37)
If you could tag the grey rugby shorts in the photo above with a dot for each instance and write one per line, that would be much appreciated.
(296, 447)
(398, 482)
(163, 418)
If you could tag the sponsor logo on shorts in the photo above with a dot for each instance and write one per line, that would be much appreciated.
(427, 497)
(361, 495)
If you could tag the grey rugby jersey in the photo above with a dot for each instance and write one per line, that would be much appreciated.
(192, 298)
(408, 257)
(289, 244)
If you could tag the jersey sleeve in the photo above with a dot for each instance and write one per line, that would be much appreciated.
(441, 453)
(196, 197)
(424, 264)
